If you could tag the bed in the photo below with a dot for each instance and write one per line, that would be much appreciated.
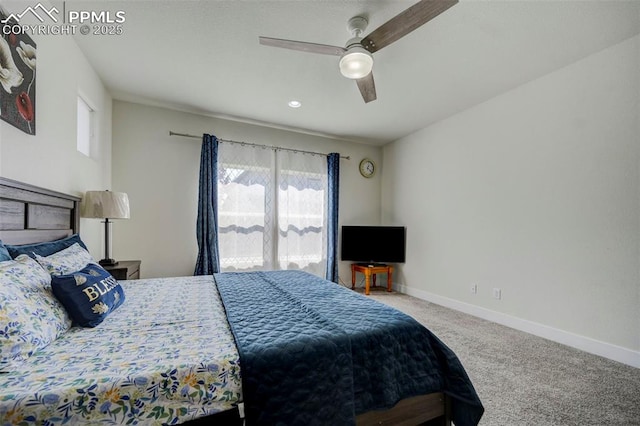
(279, 347)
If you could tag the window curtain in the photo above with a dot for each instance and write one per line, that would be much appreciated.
(301, 211)
(246, 201)
(208, 261)
(272, 207)
(333, 177)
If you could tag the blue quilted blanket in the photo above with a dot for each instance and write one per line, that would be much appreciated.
(315, 353)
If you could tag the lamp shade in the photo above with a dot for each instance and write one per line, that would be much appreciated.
(105, 204)
(356, 63)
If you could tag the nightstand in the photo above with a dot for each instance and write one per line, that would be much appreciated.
(125, 270)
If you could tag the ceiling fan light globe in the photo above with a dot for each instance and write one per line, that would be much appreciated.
(356, 63)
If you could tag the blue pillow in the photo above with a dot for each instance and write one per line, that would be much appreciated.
(89, 295)
(45, 249)
(4, 253)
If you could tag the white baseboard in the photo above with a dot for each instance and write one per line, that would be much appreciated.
(596, 347)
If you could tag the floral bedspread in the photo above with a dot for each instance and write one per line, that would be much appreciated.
(165, 356)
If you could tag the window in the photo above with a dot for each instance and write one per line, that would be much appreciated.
(85, 127)
(272, 210)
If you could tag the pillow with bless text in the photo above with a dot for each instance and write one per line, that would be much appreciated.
(89, 295)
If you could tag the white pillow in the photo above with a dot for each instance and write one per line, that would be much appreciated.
(67, 261)
(30, 316)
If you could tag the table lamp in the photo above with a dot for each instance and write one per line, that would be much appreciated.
(106, 205)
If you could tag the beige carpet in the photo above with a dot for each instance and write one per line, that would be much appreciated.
(527, 380)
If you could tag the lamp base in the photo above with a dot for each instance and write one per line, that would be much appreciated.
(108, 262)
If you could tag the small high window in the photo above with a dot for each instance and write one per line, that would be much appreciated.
(85, 127)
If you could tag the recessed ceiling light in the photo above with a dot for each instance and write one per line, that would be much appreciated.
(295, 104)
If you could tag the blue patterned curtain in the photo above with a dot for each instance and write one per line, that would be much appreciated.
(333, 163)
(207, 226)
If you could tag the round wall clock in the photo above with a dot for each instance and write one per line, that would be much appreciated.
(367, 168)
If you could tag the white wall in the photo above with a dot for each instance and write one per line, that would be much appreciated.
(536, 192)
(160, 174)
(49, 159)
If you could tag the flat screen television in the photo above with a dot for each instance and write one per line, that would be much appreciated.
(373, 244)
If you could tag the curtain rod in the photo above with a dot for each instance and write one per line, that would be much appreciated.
(186, 135)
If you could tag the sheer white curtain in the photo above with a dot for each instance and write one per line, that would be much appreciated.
(272, 209)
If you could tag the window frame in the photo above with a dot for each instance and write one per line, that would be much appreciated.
(85, 143)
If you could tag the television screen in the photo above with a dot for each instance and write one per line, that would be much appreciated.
(373, 244)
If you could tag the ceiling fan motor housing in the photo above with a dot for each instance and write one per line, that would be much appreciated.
(357, 25)
(356, 62)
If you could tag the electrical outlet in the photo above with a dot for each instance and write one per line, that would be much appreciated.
(474, 288)
(497, 293)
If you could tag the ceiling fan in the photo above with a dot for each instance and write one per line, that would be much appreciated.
(356, 61)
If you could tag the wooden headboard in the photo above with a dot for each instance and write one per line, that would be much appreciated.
(30, 214)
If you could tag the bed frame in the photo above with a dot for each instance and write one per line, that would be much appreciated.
(30, 214)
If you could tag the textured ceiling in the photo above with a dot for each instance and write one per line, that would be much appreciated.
(204, 56)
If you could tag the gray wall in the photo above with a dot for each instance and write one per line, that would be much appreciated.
(535, 192)
(50, 159)
(160, 174)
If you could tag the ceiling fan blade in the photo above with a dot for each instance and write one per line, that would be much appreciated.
(405, 22)
(323, 49)
(367, 88)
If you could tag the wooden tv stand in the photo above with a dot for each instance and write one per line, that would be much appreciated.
(369, 269)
